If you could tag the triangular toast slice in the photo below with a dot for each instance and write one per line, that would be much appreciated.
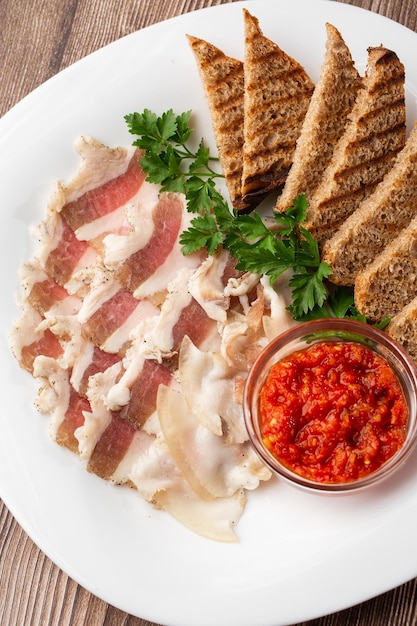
(326, 118)
(389, 283)
(367, 148)
(223, 81)
(378, 220)
(403, 328)
(277, 94)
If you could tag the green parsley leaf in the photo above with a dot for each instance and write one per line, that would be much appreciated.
(199, 194)
(203, 233)
(308, 290)
(293, 216)
(262, 258)
(341, 301)
(169, 162)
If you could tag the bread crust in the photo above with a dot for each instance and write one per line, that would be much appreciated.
(366, 151)
(389, 283)
(327, 116)
(403, 328)
(378, 220)
(277, 94)
(223, 81)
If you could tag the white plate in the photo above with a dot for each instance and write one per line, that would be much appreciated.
(299, 556)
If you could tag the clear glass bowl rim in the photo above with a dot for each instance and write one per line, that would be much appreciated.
(339, 329)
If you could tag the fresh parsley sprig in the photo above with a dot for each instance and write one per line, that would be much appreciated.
(168, 161)
(262, 250)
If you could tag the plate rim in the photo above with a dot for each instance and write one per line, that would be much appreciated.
(28, 524)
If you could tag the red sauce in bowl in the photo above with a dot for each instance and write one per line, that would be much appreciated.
(333, 412)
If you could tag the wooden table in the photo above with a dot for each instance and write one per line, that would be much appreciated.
(38, 39)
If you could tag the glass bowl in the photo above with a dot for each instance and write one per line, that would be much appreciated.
(350, 337)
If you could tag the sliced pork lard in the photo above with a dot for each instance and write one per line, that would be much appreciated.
(206, 285)
(208, 385)
(110, 312)
(180, 315)
(158, 480)
(111, 448)
(149, 257)
(109, 195)
(140, 353)
(242, 335)
(213, 468)
(134, 394)
(68, 256)
(99, 417)
(97, 361)
(74, 418)
(58, 398)
(28, 340)
(103, 438)
(144, 391)
(277, 318)
(44, 294)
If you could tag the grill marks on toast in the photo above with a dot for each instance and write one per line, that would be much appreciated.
(367, 148)
(389, 283)
(326, 118)
(223, 80)
(347, 154)
(276, 98)
(403, 328)
(378, 220)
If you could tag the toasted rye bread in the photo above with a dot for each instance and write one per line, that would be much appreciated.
(403, 328)
(367, 148)
(378, 220)
(332, 100)
(223, 81)
(277, 94)
(389, 283)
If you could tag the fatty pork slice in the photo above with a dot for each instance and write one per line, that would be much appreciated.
(212, 519)
(44, 294)
(40, 296)
(243, 336)
(180, 315)
(121, 220)
(111, 449)
(134, 394)
(91, 361)
(104, 437)
(209, 386)
(261, 319)
(28, 339)
(107, 179)
(208, 284)
(60, 253)
(113, 427)
(277, 298)
(108, 443)
(58, 399)
(149, 257)
(110, 313)
(158, 480)
(213, 468)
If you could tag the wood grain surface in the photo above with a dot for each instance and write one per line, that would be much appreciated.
(38, 38)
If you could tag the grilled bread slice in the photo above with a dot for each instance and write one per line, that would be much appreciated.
(223, 81)
(365, 153)
(378, 220)
(277, 94)
(389, 283)
(403, 328)
(326, 118)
